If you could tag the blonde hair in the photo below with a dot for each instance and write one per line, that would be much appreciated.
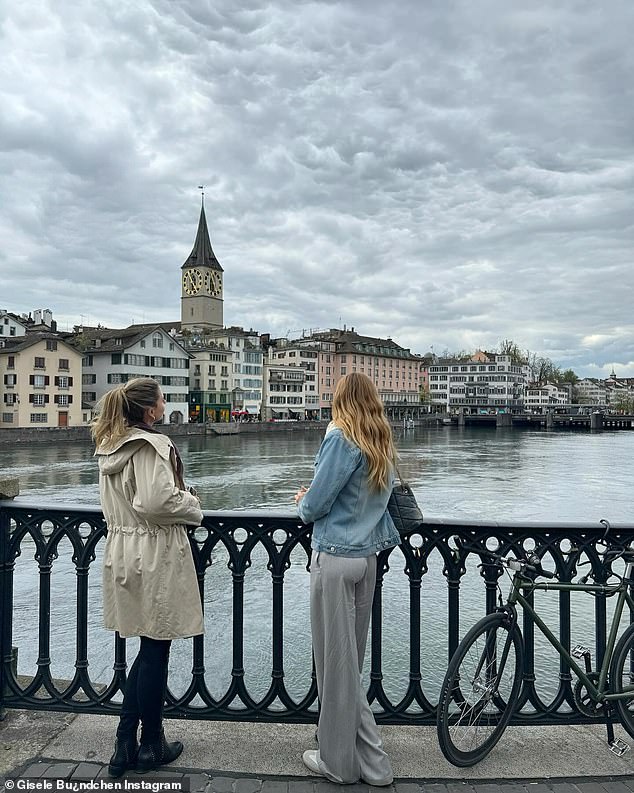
(358, 411)
(122, 406)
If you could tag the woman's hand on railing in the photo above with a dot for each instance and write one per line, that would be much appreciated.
(300, 494)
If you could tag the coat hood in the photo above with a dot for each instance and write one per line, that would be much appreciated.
(113, 458)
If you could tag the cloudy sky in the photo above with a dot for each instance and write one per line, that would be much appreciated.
(449, 173)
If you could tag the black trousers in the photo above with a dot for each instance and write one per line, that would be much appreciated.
(145, 690)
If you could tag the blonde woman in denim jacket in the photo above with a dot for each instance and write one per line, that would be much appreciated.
(347, 504)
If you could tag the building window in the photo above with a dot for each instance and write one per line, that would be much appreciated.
(39, 418)
(38, 400)
(115, 358)
(63, 382)
(39, 381)
(7, 418)
(157, 340)
(51, 344)
(89, 396)
(89, 379)
(63, 364)
(40, 363)
(11, 362)
(142, 344)
(62, 400)
(136, 360)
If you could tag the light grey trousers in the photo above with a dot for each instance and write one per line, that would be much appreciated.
(341, 592)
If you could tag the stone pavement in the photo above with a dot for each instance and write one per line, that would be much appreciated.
(222, 757)
(197, 781)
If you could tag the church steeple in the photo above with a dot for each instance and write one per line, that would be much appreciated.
(201, 284)
(202, 254)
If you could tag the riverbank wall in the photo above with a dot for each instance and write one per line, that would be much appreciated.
(52, 435)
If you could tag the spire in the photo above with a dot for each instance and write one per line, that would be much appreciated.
(202, 254)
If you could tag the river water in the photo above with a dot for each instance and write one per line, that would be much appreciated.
(481, 474)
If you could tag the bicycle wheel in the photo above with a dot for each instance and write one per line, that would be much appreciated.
(622, 677)
(480, 690)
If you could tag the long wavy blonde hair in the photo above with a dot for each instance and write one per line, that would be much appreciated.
(358, 411)
(122, 406)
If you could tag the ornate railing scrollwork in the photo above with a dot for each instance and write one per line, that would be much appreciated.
(285, 542)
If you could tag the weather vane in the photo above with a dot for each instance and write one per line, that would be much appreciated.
(202, 187)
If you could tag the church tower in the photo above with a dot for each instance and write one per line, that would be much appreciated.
(201, 284)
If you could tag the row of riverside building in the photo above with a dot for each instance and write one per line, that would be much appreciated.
(212, 373)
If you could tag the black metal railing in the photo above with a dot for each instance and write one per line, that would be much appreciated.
(427, 595)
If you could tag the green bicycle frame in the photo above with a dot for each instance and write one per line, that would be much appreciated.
(597, 692)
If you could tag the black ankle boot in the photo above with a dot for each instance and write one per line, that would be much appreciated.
(124, 757)
(161, 752)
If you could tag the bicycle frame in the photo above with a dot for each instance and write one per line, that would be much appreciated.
(597, 692)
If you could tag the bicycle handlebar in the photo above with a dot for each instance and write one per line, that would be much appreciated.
(532, 562)
(535, 563)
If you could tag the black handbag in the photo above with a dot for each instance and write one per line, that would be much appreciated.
(403, 508)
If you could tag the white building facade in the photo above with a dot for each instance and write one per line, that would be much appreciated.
(591, 391)
(485, 382)
(306, 358)
(111, 357)
(11, 326)
(283, 396)
(247, 362)
(539, 398)
(210, 383)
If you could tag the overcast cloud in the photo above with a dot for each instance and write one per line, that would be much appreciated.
(449, 173)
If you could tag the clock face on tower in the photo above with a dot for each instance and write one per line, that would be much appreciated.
(192, 281)
(213, 283)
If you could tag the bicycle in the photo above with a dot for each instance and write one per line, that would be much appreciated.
(484, 679)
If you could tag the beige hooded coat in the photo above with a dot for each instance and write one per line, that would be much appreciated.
(149, 580)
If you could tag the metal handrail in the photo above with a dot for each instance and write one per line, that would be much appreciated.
(238, 535)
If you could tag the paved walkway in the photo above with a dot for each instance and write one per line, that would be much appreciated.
(196, 781)
(223, 757)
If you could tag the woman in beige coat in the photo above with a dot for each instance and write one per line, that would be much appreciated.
(150, 588)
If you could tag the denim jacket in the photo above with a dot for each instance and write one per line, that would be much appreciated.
(349, 519)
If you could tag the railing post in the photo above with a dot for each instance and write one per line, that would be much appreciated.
(5, 611)
(9, 488)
